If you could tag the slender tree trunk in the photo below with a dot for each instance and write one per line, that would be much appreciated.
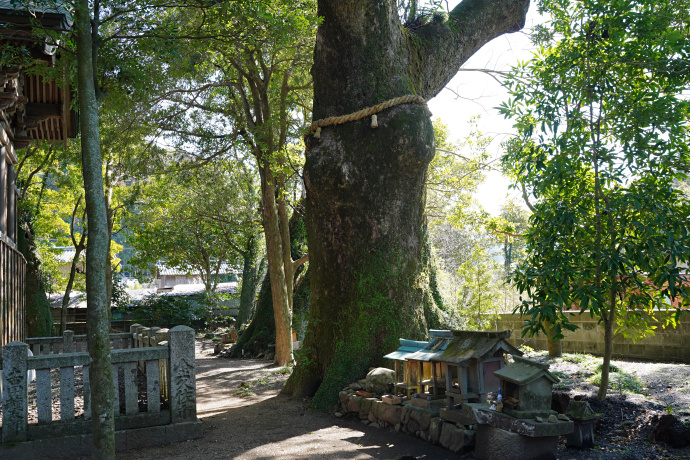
(554, 345)
(609, 323)
(68, 289)
(276, 268)
(365, 187)
(98, 324)
(108, 257)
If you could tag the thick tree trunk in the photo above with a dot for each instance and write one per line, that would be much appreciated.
(97, 324)
(261, 332)
(365, 187)
(249, 279)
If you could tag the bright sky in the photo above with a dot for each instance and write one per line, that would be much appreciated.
(473, 93)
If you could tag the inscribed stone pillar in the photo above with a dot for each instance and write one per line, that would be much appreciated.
(182, 374)
(14, 409)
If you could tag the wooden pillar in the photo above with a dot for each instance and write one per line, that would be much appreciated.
(11, 205)
(3, 190)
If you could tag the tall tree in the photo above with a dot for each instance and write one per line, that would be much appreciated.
(250, 92)
(603, 135)
(365, 187)
(98, 315)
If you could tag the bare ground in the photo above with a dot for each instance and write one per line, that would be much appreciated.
(264, 425)
(254, 422)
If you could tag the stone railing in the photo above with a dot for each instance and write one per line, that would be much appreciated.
(169, 414)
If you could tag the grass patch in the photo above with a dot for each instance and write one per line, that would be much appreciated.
(621, 382)
(565, 379)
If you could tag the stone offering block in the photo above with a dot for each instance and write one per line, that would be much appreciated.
(391, 399)
(495, 443)
(423, 403)
(462, 416)
(525, 427)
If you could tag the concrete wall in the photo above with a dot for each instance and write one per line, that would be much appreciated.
(668, 345)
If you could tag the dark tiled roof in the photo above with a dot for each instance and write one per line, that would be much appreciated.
(467, 345)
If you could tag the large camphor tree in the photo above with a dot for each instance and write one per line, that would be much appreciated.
(365, 187)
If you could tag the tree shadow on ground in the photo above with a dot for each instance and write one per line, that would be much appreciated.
(266, 426)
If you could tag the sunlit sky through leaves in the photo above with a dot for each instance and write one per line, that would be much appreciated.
(473, 93)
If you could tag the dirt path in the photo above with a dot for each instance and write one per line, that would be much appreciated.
(267, 426)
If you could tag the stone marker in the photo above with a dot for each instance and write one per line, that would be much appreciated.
(14, 386)
(584, 420)
(182, 374)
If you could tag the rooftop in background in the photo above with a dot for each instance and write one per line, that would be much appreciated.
(164, 270)
(78, 299)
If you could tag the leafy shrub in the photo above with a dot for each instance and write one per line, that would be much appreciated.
(168, 311)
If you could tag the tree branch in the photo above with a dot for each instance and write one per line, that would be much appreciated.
(439, 49)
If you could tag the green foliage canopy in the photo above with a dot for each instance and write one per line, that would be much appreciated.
(603, 136)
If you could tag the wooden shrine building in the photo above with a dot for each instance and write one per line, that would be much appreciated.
(32, 108)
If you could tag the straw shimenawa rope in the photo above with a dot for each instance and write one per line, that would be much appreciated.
(410, 98)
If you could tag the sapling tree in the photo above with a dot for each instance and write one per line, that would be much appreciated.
(603, 135)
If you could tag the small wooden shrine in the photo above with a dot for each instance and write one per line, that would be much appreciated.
(406, 375)
(526, 386)
(469, 362)
(430, 374)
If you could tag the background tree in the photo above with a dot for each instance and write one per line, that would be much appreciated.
(197, 220)
(365, 187)
(603, 137)
(250, 88)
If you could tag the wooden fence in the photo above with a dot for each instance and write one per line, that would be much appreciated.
(159, 410)
(12, 298)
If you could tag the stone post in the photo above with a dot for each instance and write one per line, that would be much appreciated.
(68, 341)
(138, 336)
(161, 335)
(133, 330)
(14, 408)
(153, 338)
(182, 374)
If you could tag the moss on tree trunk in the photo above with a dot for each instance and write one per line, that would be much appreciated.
(39, 321)
(365, 187)
(261, 332)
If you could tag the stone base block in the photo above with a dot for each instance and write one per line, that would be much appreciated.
(76, 446)
(462, 416)
(456, 439)
(583, 436)
(495, 443)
